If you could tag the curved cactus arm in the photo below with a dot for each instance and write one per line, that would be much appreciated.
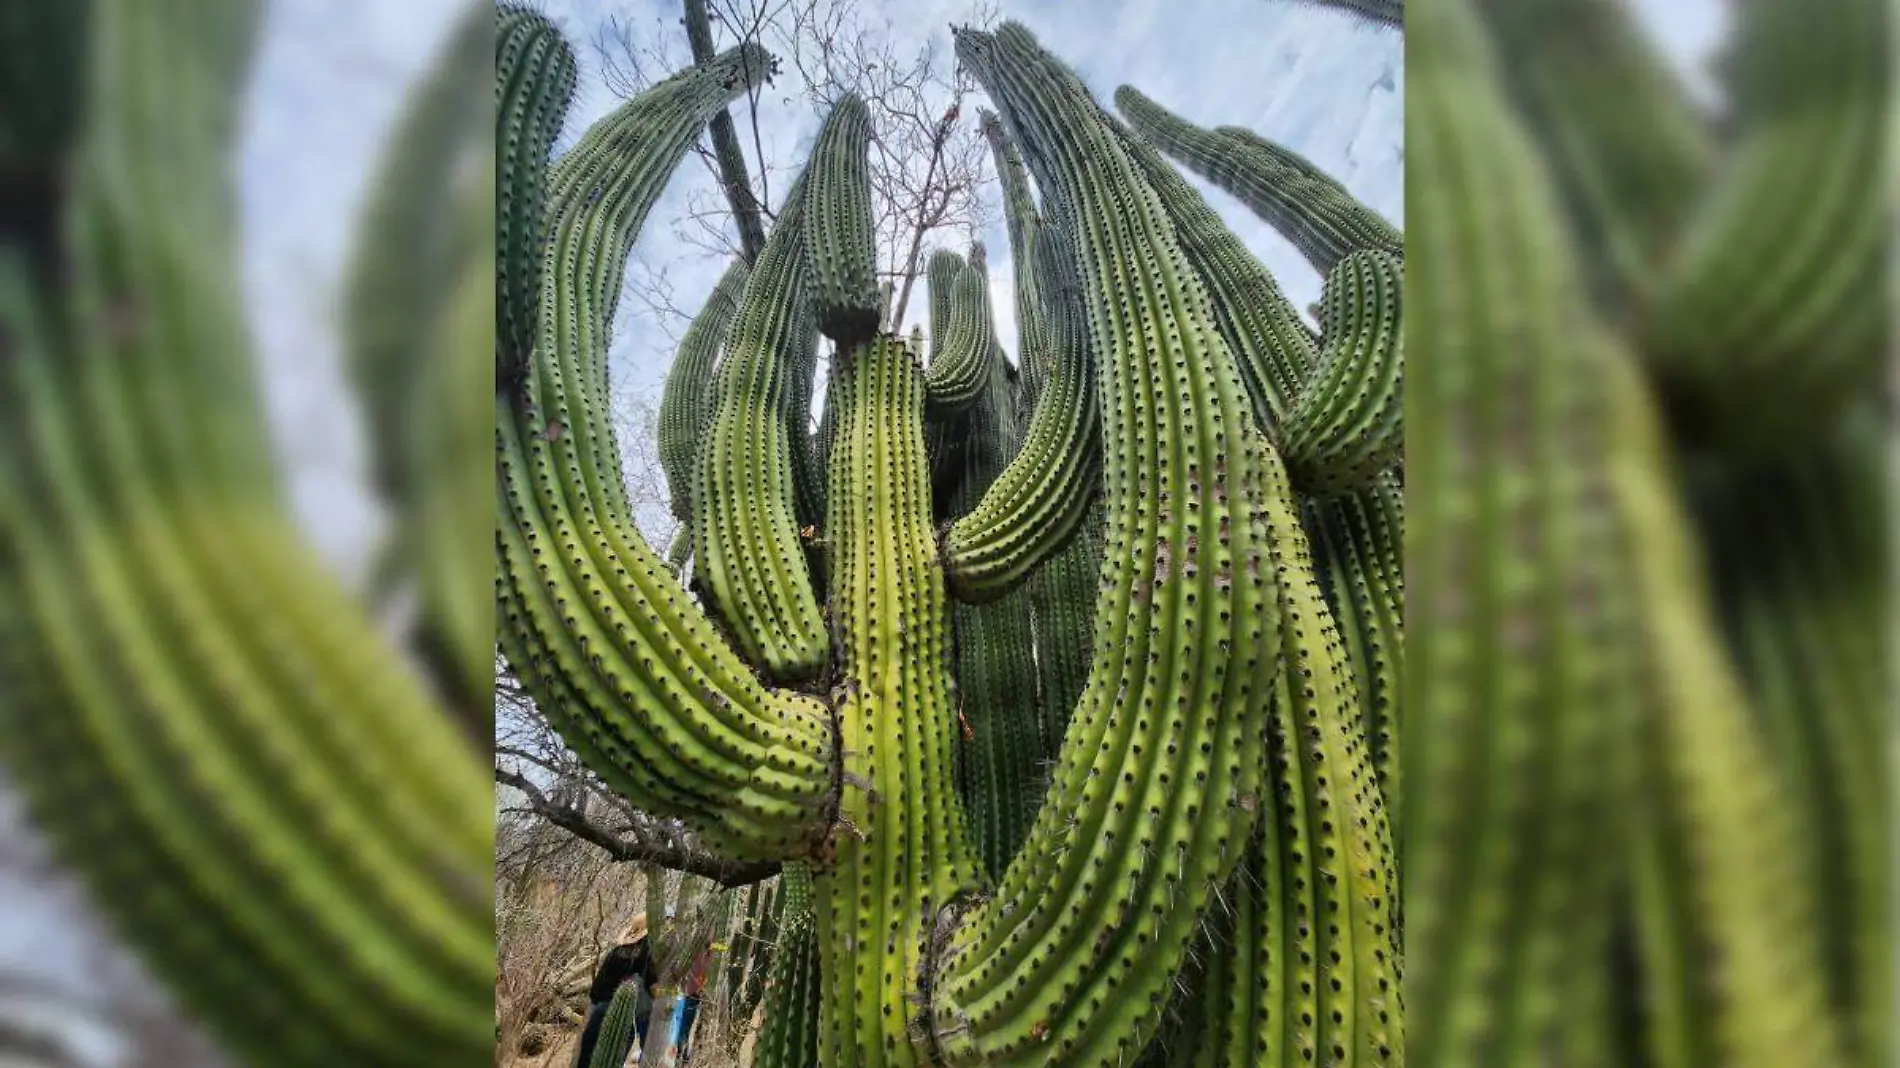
(1575, 747)
(745, 520)
(1770, 317)
(901, 851)
(1025, 226)
(630, 673)
(1379, 12)
(1309, 207)
(1155, 792)
(1625, 143)
(535, 76)
(426, 237)
(1000, 747)
(261, 795)
(1274, 346)
(1036, 504)
(840, 238)
(960, 356)
(1062, 612)
(1800, 560)
(1347, 425)
(1358, 543)
(686, 400)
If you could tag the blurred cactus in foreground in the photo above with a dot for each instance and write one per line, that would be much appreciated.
(281, 808)
(1030, 675)
(1647, 742)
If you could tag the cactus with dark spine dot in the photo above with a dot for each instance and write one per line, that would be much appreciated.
(1346, 427)
(686, 402)
(261, 790)
(840, 231)
(1117, 504)
(535, 77)
(618, 1027)
(1310, 207)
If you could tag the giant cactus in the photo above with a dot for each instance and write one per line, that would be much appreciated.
(1639, 826)
(994, 880)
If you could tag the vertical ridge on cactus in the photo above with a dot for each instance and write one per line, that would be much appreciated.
(1309, 207)
(535, 76)
(1025, 226)
(686, 401)
(790, 1036)
(304, 867)
(606, 643)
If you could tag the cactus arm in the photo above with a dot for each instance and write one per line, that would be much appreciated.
(630, 672)
(1062, 612)
(1770, 316)
(1358, 541)
(535, 75)
(1626, 145)
(185, 682)
(1019, 212)
(961, 354)
(1347, 426)
(792, 1005)
(1316, 213)
(1800, 558)
(1153, 796)
(840, 239)
(1570, 723)
(725, 139)
(685, 402)
(745, 523)
(1036, 504)
(618, 1028)
(1000, 746)
(901, 851)
(1275, 349)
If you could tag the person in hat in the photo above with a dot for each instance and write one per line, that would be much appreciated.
(629, 962)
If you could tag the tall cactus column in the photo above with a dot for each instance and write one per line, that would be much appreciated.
(901, 848)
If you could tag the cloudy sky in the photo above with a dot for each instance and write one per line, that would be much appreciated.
(330, 77)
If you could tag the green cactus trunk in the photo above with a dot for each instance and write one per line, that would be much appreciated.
(900, 852)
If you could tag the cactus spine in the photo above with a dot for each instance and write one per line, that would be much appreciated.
(618, 1027)
(686, 402)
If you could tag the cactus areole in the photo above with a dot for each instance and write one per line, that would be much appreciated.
(1020, 800)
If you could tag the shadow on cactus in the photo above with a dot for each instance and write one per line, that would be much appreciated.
(1034, 673)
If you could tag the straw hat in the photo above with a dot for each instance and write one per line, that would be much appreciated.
(637, 929)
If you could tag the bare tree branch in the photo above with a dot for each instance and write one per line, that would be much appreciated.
(732, 170)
